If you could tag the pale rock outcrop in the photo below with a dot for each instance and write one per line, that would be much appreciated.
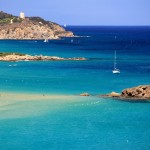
(112, 94)
(85, 94)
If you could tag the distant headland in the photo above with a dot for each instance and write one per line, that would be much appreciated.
(21, 27)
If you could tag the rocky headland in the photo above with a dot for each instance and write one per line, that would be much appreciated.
(24, 57)
(14, 27)
(141, 92)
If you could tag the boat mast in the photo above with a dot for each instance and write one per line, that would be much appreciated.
(115, 60)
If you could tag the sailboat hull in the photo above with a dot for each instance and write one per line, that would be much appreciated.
(116, 71)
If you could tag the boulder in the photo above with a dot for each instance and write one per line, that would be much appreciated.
(112, 94)
(139, 92)
(85, 94)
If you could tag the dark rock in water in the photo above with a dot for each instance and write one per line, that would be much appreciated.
(139, 92)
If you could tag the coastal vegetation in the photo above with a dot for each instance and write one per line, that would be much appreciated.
(15, 27)
(6, 18)
(3, 54)
(10, 56)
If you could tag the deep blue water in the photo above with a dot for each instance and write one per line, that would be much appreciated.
(98, 44)
(84, 123)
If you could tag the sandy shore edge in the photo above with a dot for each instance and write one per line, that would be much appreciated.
(34, 96)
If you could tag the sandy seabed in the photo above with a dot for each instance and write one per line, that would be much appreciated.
(18, 105)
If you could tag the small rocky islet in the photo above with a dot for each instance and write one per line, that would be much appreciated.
(8, 56)
(134, 93)
(138, 93)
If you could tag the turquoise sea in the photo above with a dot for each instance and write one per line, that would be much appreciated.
(66, 120)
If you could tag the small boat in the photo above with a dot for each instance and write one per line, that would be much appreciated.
(46, 40)
(115, 70)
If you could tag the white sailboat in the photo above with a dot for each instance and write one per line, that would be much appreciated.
(46, 40)
(115, 70)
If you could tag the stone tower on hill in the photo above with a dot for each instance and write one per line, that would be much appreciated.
(22, 15)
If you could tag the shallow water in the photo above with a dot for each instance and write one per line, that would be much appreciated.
(75, 123)
(39, 103)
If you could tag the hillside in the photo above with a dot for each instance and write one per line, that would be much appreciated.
(14, 27)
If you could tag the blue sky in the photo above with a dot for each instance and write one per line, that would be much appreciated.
(83, 12)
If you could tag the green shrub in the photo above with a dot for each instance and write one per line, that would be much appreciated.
(10, 53)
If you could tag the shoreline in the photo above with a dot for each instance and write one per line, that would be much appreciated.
(138, 93)
(25, 57)
(42, 39)
(27, 96)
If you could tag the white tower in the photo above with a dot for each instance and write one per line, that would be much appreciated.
(22, 15)
(11, 21)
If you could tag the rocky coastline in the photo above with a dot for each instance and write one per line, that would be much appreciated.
(24, 57)
(141, 92)
(30, 28)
